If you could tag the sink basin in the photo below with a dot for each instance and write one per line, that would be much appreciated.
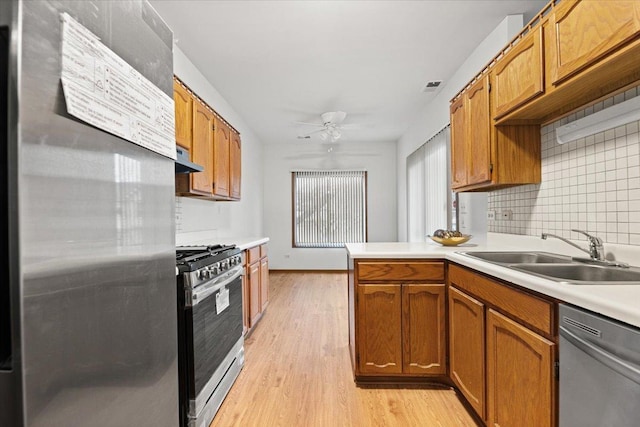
(520, 257)
(582, 273)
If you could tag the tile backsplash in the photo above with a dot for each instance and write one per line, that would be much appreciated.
(590, 184)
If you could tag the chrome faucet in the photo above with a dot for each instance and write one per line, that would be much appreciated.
(595, 251)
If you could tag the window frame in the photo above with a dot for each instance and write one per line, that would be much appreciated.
(293, 208)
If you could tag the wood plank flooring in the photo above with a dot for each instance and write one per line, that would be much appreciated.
(297, 370)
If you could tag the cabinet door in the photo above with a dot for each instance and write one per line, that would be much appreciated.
(479, 128)
(520, 383)
(246, 322)
(423, 329)
(254, 294)
(202, 182)
(184, 115)
(379, 329)
(518, 76)
(221, 159)
(235, 163)
(458, 144)
(264, 283)
(586, 31)
(466, 348)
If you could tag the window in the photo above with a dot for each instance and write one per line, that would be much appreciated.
(430, 203)
(329, 208)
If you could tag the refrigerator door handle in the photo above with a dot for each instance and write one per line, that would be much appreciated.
(611, 361)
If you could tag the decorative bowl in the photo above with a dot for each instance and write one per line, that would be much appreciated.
(451, 241)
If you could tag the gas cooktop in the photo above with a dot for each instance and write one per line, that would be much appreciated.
(191, 258)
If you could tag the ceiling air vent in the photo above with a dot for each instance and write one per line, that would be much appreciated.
(432, 86)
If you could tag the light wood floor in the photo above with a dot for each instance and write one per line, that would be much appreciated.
(297, 370)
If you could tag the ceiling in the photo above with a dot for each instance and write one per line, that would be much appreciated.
(281, 62)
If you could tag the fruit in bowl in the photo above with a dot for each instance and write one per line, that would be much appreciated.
(449, 237)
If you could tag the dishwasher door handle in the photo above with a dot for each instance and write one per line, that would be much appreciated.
(611, 361)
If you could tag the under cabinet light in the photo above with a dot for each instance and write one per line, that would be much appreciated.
(609, 118)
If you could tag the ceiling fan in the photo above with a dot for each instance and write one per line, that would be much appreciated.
(330, 128)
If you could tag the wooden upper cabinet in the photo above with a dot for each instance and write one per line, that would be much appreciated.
(380, 329)
(423, 329)
(520, 375)
(212, 144)
(585, 31)
(221, 148)
(472, 142)
(458, 144)
(201, 152)
(519, 76)
(479, 166)
(235, 165)
(466, 348)
(183, 101)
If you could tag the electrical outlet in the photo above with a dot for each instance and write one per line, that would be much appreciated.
(491, 215)
(507, 215)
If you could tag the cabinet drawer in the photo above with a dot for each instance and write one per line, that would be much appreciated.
(263, 251)
(253, 255)
(400, 271)
(530, 309)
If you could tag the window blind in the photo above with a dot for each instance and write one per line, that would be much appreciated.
(428, 191)
(329, 208)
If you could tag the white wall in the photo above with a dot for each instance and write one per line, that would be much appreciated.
(378, 159)
(435, 116)
(198, 219)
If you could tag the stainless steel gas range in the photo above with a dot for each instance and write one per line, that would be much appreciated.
(210, 336)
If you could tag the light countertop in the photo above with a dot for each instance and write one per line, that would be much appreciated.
(240, 242)
(620, 302)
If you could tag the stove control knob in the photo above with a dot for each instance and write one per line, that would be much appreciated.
(215, 269)
(202, 274)
(224, 265)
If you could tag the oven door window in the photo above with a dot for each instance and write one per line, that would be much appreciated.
(215, 334)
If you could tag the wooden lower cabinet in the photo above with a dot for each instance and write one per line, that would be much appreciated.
(256, 287)
(264, 283)
(520, 375)
(380, 337)
(401, 329)
(502, 340)
(255, 311)
(423, 329)
(466, 348)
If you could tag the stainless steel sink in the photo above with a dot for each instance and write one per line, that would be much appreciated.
(577, 273)
(520, 257)
(561, 268)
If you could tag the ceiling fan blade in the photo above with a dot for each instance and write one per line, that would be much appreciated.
(310, 124)
(308, 135)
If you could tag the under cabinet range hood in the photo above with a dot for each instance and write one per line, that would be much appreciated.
(183, 164)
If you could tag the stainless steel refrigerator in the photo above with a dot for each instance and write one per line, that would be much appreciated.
(88, 298)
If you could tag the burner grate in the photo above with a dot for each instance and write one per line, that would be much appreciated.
(193, 257)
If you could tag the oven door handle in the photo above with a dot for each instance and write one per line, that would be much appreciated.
(207, 289)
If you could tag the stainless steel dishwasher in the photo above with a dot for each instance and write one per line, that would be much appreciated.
(599, 371)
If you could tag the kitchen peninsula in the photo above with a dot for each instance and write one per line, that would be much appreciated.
(421, 312)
